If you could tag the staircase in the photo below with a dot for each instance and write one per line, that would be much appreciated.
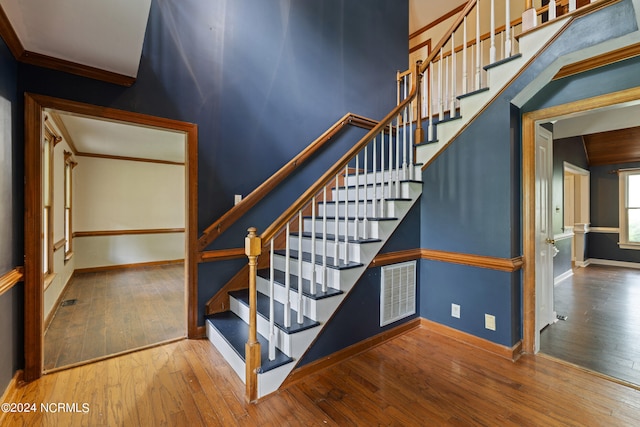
(326, 264)
(320, 246)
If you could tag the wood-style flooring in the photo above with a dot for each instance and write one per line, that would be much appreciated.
(602, 330)
(116, 311)
(417, 379)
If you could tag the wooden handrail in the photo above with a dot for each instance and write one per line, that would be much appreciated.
(232, 215)
(286, 216)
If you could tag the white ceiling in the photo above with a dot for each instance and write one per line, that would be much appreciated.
(105, 34)
(98, 136)
(621, 116)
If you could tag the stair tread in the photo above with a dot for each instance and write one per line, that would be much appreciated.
(279, 279)
(236, 332)
(371, 184)
(242, 295)
(361, 218)
(502, 61)
(331, 237)
(306, 256)
(473, 92)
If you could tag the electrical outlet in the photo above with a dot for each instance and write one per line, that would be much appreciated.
(237, 198)
(455, 310)
(490, 322)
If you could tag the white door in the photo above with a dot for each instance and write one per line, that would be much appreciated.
(544, 231)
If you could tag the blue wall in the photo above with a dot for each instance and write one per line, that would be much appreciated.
(261, 79)
(471, 201)
(11, 222)
(604, 201)
(358, 317)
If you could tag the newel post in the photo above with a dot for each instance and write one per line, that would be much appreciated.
(419, 133)
(252, 248)
(529, 16)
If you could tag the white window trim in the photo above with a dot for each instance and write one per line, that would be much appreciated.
(623, 241)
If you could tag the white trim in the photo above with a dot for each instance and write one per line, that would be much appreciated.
(563, 276)
(613, 263)
(568, 167)
(634, 246)
(583, 264)
(563, 236)
(608, 230)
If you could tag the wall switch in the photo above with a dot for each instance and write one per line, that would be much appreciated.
(237, 198)
(490, 322)
(455, 311)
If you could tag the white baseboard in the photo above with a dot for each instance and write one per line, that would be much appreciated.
(562, 277)
(613, 263)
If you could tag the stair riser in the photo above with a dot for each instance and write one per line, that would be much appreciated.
(229, 354)
(389, 192)
(354, 248)
(369, 178)
(372, 227)
(330, 210)
(313, 309)
(332, 274)
(292, 347)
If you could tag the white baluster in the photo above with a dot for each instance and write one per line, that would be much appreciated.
(552, 10)
(430, 127)
(390, 178)
(465, 75)
(398, 160)
(382, 151)
(272, 328)
(452, 104)
(346, 216)
(365, 221)
(507, 29)
(440, 94)
(312, 287)
(411, 167)
(324, 240)
(287, 279)
(478, 49)
(356, 222)
(300, 315)
(492, 49)
(572, 5)
(336, 259)
(374, 201)
(405, 119)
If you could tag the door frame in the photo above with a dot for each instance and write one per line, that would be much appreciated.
(33, 277)
(529, 122)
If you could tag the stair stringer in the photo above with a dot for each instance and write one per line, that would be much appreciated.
(498, 77)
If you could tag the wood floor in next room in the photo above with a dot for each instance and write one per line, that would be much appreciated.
(602, 329)
(417, 379)
(115, 311)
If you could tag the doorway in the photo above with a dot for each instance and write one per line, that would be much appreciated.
(530, 123)
(36, 107)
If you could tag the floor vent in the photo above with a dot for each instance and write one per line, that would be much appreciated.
(68, 302)
(397, 292)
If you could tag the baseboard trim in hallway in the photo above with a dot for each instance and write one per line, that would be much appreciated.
(511, 353)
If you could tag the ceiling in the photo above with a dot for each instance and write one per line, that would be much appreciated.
(109, 138)
(611, 135)
(103, 34)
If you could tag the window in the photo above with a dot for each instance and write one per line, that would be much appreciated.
(47, 203)
(68, 186)
(630, 209)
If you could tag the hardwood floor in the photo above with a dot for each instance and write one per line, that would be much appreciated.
(116, 311)
(420, 378)
(602, 330)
